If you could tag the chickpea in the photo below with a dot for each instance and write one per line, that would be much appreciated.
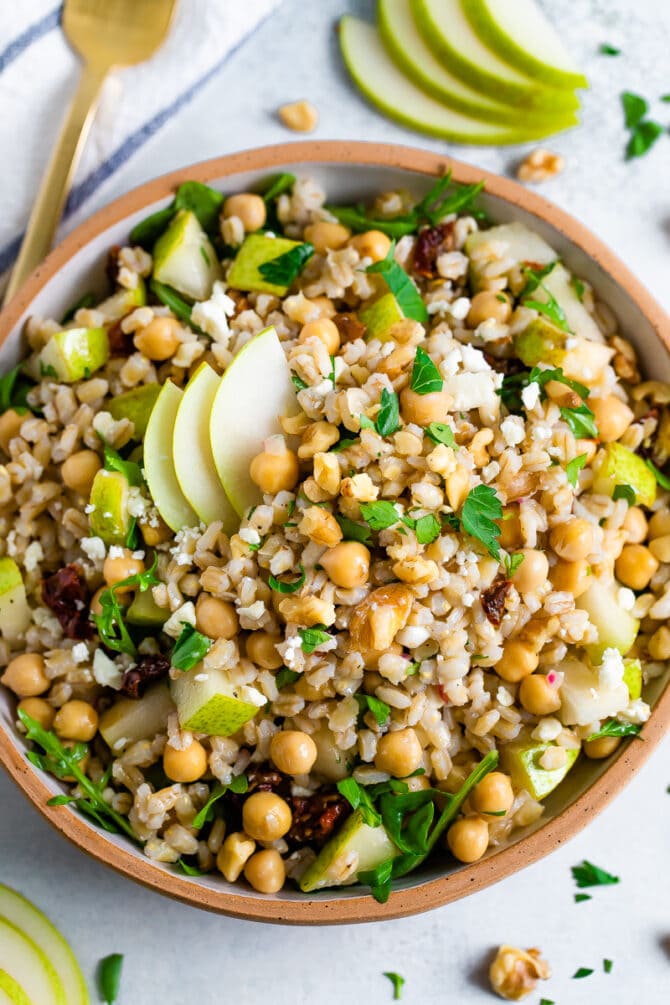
(660, 548)
(573, 539)
(215, 618)
(635, 525)
(247, 207)
(517, 661)
(659, 524)
(187, 765)
(424, 408)
(262, 649)
(347, 564)
(10, 427)
(159, 340)
(323, 329)
(156, 532)
(265, 871)
(612, 416)
(233, 855)
(510, 529)
(635, 566)
(532, 572)
(39, 710)
(538, 696)
(266, 816)
(118, 568)
(324, 236)
(487, 304)
(598, 749)
(371, 244)
(399, 753)
(275, 472)
(79, 470)
(293, 751)
(25, 675)
(76, 720)
(468, 839)
(494, 794)
(571, 577)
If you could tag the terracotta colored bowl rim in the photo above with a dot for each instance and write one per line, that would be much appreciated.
(467, 879)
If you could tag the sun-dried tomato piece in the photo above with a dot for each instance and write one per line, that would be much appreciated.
(316, 817)
(493, 601)
(68, 596)
(266, 779)
(430, 244)
(120, 342)
(349, 327)
(148, 670)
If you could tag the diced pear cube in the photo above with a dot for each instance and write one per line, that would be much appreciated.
(617, 465)
(131, 719)
(617, 628)
(208, 702)
(75, 353)
(145, 611)
(584, 697)
(109, 517)
(632, 678)
(379, 316)
(541, 342)
(15, 613)
(354, 849)
(136, 405)
(256, 250)
(185, 259)
(522, 762)
(123, 302)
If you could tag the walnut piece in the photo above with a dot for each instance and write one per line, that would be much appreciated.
(539, 165)
(376, 620)
(514, 972)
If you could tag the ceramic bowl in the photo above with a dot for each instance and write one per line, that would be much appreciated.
(348, 172)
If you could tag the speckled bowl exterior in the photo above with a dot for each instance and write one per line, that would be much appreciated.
(349, 171)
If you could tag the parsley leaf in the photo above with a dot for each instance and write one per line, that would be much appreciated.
(582, 972)
(665, 98)
(425, 377)
(634, 108)
(440, 432)
(549, 307)
(547, 1001)
(573, 467)
(14, 387)
(238, 784)
(512, 563)
(402, 287)
(397, 981)
(380, 514)
(353, 531)
(285, 268)
(609, 50)
(581, 421)
(662, 479)
(581, 897)
(427, 528)
(110, 624)
(587, 874)
(285, 676)
(607, 966)
(190, 648)
(642, 138)
(616, 728)
(281, 587)
(388, 418)
(626, 492)
(109, 977)
(481, 509)
(379, 709)
(314, 637)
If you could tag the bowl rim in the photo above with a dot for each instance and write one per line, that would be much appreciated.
(465, 880)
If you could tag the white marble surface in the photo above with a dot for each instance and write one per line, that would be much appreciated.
(176, 954)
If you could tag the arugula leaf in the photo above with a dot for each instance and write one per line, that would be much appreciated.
(359, 799)
(388, 418)
(402, 287)
(587, 874)
(582, 972)
(238, 784)
(397, 981)
(64, 762)
(643, 138)
(281, 587)
(379, 880)
(606, 49)
(547, 1001)
(109, 977)
(426, 378)
(441, 432)
(380, 515)
(535, 277)
(427, 528)
(379, 709)
(616, 728)
(130, 470)
(344, 444)
(284, 676)
(481, 509)
(662, 479)
(626, 492)
(202, 200)
(573, 467)
(550, 308)
(358, 220)
(313, 637)
(14, 387)
(512, 563)
(438, 202)
(581, 897)
(86, 301)
(284, 269)
(189, 870)
(634, 108)
(190, 648)
(353, 531)
(110, 624)
(277, 185)
(177, 304)
(581, 421)
(147, 231)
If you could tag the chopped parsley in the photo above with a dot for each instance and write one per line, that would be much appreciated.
(425, 377)
(607, 966)
(582, 972)
(130, 470)
(581, 421)
(47, 370)
(280, 586)
(626, 492)
(427, 528)
(440, 432)
(573, 467)
(110, 623)
(587, 874)
(481, 509)
(634, 109)
(643, 132)
(388, 418)
(616, 728)
(550, 307)
(606, 49)
(298, 383)
(312, 638)
(353, 531)
(402, 287)
(380, 515)
(238, 784)
(284, 677)
(109, 977)
(581, 897)
(284, 269)
(662, 479)
(397, 981)
(191, 647)
(379, 709)
(512, 563)
(14, 387)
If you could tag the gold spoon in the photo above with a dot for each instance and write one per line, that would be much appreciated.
(105, 33)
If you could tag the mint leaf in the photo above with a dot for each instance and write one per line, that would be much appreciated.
(573, 467)
(191, 647)
(282, 271)
(425, 377)
(388, 418)
(481, 509)
(407, 296)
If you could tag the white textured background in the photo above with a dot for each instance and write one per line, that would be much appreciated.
(175, 954)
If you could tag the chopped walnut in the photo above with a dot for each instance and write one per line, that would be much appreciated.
(625, 360)
(376, 620)
(540, 165)
(514, 973)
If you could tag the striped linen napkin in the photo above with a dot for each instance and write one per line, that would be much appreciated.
(38, 75)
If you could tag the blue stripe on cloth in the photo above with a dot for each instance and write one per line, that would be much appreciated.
(30, 35)
(85, 189)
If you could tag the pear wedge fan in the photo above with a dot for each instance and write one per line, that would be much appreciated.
(380, 80)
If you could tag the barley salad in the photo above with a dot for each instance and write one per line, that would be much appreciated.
(331, 537)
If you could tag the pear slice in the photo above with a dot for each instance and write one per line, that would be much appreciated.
(253, 392)
(25, 916)
(257, 250)
(354, 849)
(129, 719)
(208, 702)
(15, 613)
(74, 354)
(584, 699)
(135, 405)
(379, 316)
(617, 628)
(123, 302)
(617, 465)
(448, 32)
(192, 452)
(185, 259)
(518, 32)
(159, 467)
(521, 761)
(380, 80)
(28, 965)
(109, 518)
(416, 60)
(11, 993)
